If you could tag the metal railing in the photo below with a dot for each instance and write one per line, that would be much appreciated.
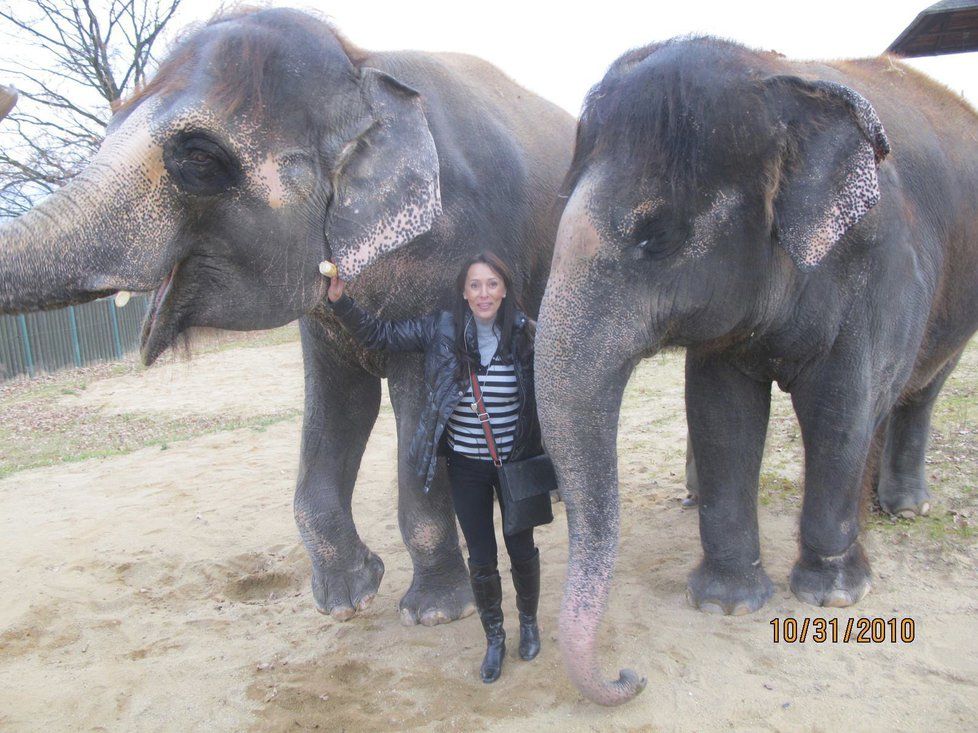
(73, 336)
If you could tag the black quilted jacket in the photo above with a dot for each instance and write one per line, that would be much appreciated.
(434, 335)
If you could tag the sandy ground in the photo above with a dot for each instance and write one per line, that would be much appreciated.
(167, 590)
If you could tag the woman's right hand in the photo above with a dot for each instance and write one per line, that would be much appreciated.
(336, 287)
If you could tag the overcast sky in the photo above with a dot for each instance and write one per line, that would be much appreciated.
(560, 49)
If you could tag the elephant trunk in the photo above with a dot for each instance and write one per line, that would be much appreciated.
(70, 248)
(588, 479)
(581, 371)
(107, 230)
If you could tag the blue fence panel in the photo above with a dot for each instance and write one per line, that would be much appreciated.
(11, 348)
(49, 347)
(73, 336)
(131, 320)
(96, 343)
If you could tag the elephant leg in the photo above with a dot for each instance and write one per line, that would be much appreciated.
(728, 415)
(440, 589)
(871, 473)
(902, 488)
(341, 405)
(832, 569)
(692, 478)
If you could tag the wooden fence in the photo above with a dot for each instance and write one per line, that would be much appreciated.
(73, 336)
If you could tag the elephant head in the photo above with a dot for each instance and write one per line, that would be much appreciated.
(705, 181)
(262, 147)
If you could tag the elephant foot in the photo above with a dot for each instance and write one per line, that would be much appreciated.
(733, 593)
(438, 596)
(836, 582)
(341, 592)
(904, 499)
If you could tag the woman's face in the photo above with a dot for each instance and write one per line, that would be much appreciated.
(484, 291)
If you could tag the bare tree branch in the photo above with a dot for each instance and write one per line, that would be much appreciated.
(86, 56)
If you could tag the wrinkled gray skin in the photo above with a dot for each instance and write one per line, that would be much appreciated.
(265, 145)
(744, 207)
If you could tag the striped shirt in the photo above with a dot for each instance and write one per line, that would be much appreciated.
(502, 401)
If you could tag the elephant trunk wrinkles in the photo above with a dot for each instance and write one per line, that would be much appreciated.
(579, 391)
(99, 234)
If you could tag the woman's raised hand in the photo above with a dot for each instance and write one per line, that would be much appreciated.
(336, 287)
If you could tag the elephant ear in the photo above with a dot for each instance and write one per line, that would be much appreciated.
(828, 176)
(386, 190)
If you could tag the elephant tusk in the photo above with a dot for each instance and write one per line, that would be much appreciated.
(327, 269)
(121, 298)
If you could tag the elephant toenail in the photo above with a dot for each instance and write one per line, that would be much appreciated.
(433, 618)
(342, 613)
(837, 599)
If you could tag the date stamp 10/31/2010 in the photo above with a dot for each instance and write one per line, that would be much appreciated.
(861, 630)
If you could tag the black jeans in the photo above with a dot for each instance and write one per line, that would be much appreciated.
(473, 482)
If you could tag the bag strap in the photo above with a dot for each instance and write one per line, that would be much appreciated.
(479, 408)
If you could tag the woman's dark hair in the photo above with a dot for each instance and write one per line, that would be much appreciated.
(505, 317)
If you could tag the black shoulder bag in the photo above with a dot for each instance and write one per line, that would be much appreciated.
(525, 485)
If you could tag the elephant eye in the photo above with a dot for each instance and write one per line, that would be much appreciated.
(658, 237)
(200, 165)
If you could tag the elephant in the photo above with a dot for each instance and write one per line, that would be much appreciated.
(265, 145)
(748, 208)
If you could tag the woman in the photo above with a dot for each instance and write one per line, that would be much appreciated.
(488, 334)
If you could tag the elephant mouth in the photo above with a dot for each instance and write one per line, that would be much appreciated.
(159, 328)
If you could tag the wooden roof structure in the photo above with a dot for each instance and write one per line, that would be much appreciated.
(950, 26)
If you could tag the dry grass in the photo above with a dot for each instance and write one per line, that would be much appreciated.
(35, 430)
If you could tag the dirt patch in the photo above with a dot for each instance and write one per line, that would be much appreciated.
(166, 589)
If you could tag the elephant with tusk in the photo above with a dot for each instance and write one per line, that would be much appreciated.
(265, 145)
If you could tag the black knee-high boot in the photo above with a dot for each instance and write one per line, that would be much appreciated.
(488, 590)
(526, 581)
